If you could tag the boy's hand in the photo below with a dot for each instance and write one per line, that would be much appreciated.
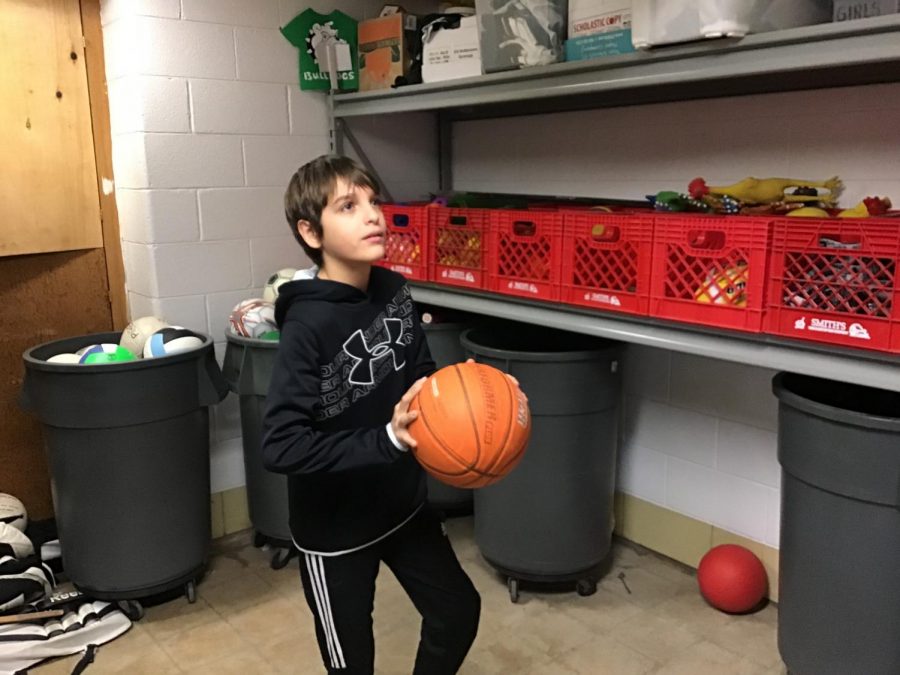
(403, 416)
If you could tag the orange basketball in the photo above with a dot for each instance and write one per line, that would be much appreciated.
(473, 425)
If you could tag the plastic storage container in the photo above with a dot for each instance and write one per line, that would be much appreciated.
(457, 254)
(128, 445)
(710, 270)
(835, 281)
(550, 519)
(248, 369)
(606, 260)
(839, 585)
(406, 246)
(525, 253)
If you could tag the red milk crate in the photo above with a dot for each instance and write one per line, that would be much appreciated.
(457, 252)
(525, 253)
(606, 260)
(835, 281)
(710, 270)
(406, 245)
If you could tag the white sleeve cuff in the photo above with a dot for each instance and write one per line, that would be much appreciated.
(397, 444)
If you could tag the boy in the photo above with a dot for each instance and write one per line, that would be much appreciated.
(352, 356)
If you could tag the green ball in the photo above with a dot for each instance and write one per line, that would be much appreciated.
(108, 355)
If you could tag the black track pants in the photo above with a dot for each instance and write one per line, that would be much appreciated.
(340, 591)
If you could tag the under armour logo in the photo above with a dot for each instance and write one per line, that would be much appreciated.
(365, 357)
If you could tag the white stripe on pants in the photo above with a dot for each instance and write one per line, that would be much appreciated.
(315, 565)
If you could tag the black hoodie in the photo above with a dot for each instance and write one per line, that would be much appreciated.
(344, 360)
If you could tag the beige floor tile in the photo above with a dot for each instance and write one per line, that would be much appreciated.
(654, 636)
(602, 611)
(271, 617)
(642, 588)
(246, 662)
(395, 649)
(141, 657)
(749, 637)
(605, 656)
(176, 616)
(706, 657)
(236, 593)
(293, 653)
(204, 644)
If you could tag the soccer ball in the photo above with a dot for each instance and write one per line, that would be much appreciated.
(104, 353)
(275, 281)
(64, 358)
(251, 318)
(171, 340)
(136, 333)
(12, 512)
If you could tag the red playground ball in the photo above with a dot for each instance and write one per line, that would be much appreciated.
(473, 425)
(732, 579)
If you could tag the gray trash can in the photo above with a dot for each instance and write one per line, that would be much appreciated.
(550, 520)
(128, 445)
(248, 369)
(443, 333)
(839, 569)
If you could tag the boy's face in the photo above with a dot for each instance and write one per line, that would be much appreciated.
(353, 229)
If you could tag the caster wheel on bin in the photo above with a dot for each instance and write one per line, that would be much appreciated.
(513, 585)
(281, 558)
(190, 591)
(586, 587)
(258, 540)
(133, 609)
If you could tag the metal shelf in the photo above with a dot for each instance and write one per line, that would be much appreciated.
(844, 365)
(866, 51)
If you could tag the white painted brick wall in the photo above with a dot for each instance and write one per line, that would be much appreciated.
(231, 107)
(232, 213)
(149, 103)
(261, 13)
(263, 55)
(158, 216)
(271, 160)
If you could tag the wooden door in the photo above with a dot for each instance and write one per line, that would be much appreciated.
(55, 152)
(48, 192)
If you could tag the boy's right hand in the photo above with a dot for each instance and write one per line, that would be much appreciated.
(403, 416)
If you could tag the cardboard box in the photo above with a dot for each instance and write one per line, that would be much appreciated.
(598, 28)
(384, 50)
(848, 10)
(520, 34)
(450, 53)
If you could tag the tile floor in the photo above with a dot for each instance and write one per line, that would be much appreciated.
(646, 617)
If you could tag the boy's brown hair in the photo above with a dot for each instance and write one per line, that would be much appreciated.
(312, 186)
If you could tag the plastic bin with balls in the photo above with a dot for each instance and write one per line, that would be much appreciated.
(128, 446)
(406, 244)
(710, 270)
(606, 260)
(457, 254)
(835, 281)
(525, 253)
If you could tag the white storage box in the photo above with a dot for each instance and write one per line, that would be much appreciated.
(659, 22)
(449, 53)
